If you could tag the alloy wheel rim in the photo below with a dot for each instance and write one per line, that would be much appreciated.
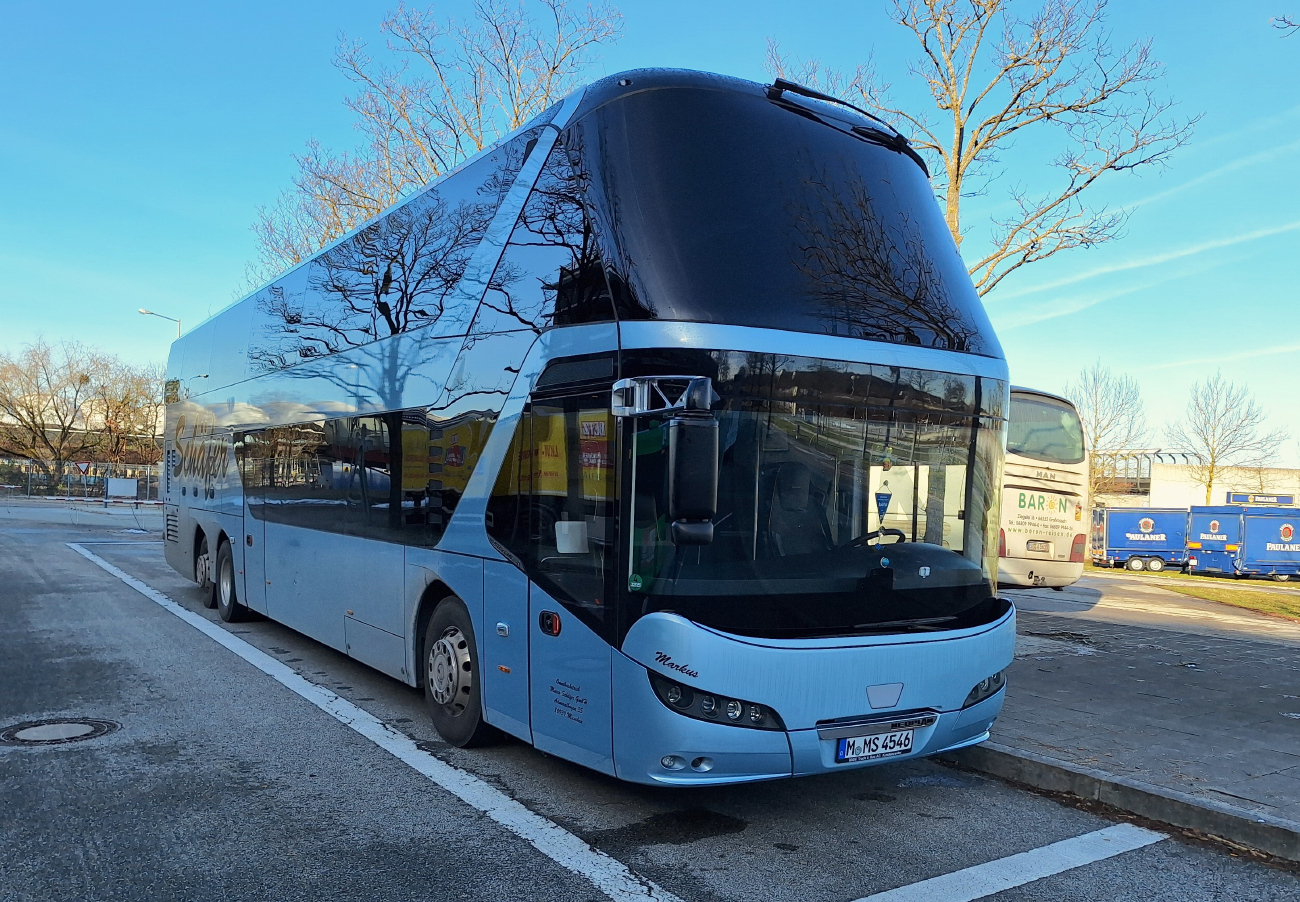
(226, 580)
(450, 673)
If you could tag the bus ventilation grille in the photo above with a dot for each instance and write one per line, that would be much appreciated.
(173, 528)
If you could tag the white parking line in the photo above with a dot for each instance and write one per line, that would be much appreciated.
(1016, 870)
(610, 876)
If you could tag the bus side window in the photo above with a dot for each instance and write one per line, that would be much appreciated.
(550, 273)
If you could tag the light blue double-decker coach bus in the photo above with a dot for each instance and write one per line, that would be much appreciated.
(666, 434)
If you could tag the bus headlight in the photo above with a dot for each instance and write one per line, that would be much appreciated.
(985, 688)
(713, 707)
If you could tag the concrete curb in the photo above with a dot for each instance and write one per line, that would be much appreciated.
(1275, 836)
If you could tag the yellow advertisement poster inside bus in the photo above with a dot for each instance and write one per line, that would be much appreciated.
(544, 465)
(546, 469)
(454, 449)
(415, 458)
(595, 444)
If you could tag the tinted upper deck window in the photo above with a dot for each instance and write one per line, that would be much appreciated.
(725, 207)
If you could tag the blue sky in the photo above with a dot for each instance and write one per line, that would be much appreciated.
(138, 139)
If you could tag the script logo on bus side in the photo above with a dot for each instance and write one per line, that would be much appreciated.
(666, 661)
(1286, 534)
(200, 458)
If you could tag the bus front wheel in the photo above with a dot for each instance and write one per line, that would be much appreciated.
(452, 685)
(1156, 564)
(1135, 564)
(228, 606)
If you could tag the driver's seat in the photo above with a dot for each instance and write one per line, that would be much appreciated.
(795, 524)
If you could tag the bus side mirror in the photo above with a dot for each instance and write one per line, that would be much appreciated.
(692, 478)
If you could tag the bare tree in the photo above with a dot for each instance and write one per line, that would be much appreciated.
(126, 411)
(1114, 420)
(475, 83)
(46, 399)
(1288, 24)
(1223, 427)
(992, 74)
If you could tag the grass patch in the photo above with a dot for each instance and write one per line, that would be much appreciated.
(1277, 604)
(1171, 571)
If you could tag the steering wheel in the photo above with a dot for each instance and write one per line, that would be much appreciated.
(887, 531)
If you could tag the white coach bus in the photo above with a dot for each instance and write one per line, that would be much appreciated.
(1045, 521)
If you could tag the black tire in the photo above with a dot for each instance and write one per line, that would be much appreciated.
(201, 571)
(1135, 565)
(1155, 564)
(452, 685)
(1281, 577)
(225, 589)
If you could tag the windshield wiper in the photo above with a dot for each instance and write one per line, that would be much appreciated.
(922, 622)
(886, 137)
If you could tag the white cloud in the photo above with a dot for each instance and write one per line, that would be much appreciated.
(1154, 259)
(1263, 156)
(1227, 358)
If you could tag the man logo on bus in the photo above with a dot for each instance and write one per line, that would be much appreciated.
(1214, 526)
(1288, 532)
(1146, 524)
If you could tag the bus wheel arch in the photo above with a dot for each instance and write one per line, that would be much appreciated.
(434, 594)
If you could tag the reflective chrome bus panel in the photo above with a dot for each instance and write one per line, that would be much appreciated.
(1045, 519)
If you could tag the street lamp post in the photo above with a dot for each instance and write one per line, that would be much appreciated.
(160, 316)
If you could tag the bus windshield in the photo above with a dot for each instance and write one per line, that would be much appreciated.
(833, 518)
(1044, 429)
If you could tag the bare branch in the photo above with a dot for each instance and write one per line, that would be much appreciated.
(993, 73)
(1223, 427)
(452, 90)
(1114, 420)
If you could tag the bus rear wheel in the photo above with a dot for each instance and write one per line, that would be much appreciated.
(224, 591)
(452, 685)
(1156, 564)
(1135, 564)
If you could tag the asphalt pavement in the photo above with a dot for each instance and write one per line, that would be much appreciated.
(226, 781)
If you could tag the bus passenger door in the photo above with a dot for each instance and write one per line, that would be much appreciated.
(553, 507)
(572, 700)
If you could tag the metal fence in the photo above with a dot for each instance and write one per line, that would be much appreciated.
(25, 478)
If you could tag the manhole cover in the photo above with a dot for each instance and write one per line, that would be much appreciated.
(56, 732)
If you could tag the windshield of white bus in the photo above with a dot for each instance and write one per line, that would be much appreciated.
(1044, 429)
(833, 517)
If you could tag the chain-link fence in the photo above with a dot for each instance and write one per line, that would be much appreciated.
(100, 481)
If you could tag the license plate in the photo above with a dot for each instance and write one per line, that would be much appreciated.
(880, 745)
(1038, 545)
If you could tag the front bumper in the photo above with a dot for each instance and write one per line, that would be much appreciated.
(1029, 572)
(714, 753)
